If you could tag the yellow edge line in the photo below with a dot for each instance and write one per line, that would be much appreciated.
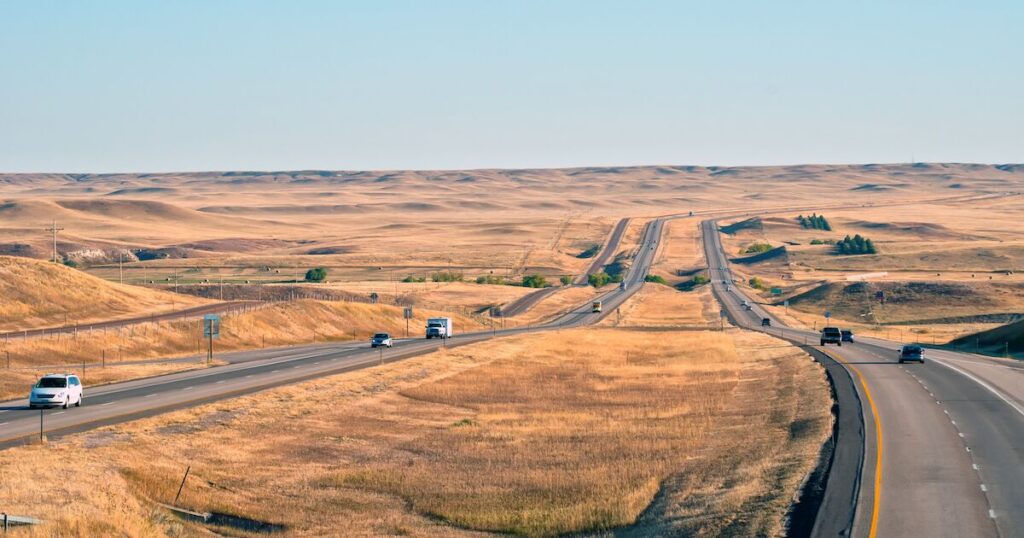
(878, 434)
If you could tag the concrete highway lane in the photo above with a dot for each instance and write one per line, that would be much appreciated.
(257, 370)
(950, 457)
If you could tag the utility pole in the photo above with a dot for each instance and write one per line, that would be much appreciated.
(54, 229)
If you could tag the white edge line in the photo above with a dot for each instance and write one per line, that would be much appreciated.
(987, 387)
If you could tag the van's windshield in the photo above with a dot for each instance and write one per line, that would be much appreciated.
(52, 383)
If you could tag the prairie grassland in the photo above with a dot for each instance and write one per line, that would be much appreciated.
(278, 324)
(656, 305)
(680, 249)
(519, 434)
(44, 294)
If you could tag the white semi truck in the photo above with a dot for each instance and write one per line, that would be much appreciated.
(439, 328)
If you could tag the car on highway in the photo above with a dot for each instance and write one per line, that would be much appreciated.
(596, 307)
(832, 335)
(381, 340)
(766, 322)
(56, 390)
(847, 336)
(911, 353)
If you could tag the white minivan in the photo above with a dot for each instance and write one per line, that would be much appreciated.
(54, 390)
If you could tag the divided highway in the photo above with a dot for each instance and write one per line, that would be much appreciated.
(944, 440)
(261, 369)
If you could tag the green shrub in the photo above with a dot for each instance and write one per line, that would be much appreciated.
(757, 284)
(565, 280)
(598, 279)
(534, 281)
(447, 276)
(71, 263)
(317, 274)
(412, 278)
(657, 279)
(757, 248)
(695, 282)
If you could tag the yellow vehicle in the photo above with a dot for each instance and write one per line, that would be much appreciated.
(596, 307)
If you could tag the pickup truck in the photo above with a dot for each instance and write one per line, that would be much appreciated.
(439, 328)
(831, 335)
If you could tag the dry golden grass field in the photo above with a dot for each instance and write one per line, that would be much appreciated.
(518, 435)
(40, 294)
(277, 324)
(944, 269)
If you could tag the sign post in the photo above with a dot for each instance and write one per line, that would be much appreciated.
(211, 330)
(407, 313)
(786, 304)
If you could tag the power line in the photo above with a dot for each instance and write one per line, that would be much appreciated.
(54, 229)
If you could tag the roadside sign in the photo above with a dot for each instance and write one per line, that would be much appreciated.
(828, 314)
(722, 313)
(880, 296)
(407, 312)
(495, 311)
(374, 297)
(776, 291)
(211, 326)
(785, 303)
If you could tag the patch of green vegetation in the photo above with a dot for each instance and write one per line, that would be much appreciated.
(491, 279)
(591, 251)
(565, 280)
(692, 284)
(447, 276)
(657, 279)
(412, 278)
(463, 422)
(822, 242)
(598, 279)
(535, 281)
(757, 284)
(71, 263)
(316, 274)
(757, 248)
(814, 222)
(855, 245)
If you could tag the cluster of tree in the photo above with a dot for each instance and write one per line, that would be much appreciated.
(317, 274)
(855, 245)
(491, 279)
(757, 248)
(757, 284)
(412, 278)
(534, 281)
(657, 279)
(822, 242)
(814, 222)
(447, 276)
(598, 279)
(565, 280)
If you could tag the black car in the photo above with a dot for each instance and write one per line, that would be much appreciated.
(765, 322)
(847, 336)
(912, 353)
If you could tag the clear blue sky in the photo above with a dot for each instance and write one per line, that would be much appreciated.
(101, 86)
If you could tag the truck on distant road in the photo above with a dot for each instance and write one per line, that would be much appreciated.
(596, 307)
(439, 328)
(832, 335)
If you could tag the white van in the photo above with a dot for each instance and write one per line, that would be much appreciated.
(54, 390)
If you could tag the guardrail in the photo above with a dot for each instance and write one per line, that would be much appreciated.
(9, 521)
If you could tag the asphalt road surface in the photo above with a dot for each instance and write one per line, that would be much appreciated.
(257, 370)
(944, 440)
(530, 300)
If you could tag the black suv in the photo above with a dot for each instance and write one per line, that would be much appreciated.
(912, 353)
(831, 335)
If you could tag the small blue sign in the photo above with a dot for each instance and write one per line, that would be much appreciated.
(828, 314)
(211, 326)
